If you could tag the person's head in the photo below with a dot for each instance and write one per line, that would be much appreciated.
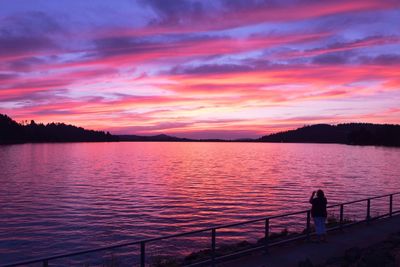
(320, 193)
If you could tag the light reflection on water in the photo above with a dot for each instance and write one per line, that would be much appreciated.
(62, 197)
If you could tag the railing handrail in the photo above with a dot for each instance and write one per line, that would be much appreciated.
(80, 252)
(361, 200)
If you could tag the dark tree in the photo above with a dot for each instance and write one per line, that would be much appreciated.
(13, 132)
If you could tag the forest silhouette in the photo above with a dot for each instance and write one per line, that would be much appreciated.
(13, 132)
(349, 133)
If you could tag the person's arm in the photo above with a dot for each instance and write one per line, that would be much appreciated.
(312, 197)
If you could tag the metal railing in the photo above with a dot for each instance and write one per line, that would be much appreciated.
(213, 259)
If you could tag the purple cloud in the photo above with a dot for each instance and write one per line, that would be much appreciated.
(26, 33)
(385, 59)
(332, 58)
(211, 68)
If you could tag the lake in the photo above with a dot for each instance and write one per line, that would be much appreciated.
(63, 197)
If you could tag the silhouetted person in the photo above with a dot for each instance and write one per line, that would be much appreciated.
(319, 213)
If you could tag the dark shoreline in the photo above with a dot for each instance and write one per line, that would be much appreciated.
(362, 134)
(191, 141)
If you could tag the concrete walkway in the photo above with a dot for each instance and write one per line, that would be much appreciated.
(290, 254)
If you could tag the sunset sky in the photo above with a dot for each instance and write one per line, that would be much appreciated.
(200, 69)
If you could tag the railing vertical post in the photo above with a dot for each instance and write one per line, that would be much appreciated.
(308, 229)
(142, 254)
(213, 241)
(341, 216)
(368, 210)
(391, 205)
(266, 237)
(45, 263)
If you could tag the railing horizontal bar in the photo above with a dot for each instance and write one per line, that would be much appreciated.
(347, 203)
(77, 253)
(258, 220)
(240, 223)
(380, 216)
(361, 200)
(288, 214)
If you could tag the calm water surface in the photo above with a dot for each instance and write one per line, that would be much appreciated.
(62, 197)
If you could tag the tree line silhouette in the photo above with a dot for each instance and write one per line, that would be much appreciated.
(13, 132)
(349, 133)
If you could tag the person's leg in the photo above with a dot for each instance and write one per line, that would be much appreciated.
(323, 229)
(318, 229)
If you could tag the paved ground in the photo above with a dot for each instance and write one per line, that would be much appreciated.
(289, 255)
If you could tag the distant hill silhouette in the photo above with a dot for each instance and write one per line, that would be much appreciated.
(350, 133)
(164, 138)
(12, 132)
(158, 138)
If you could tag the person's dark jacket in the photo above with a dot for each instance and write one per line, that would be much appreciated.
(319, 207)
